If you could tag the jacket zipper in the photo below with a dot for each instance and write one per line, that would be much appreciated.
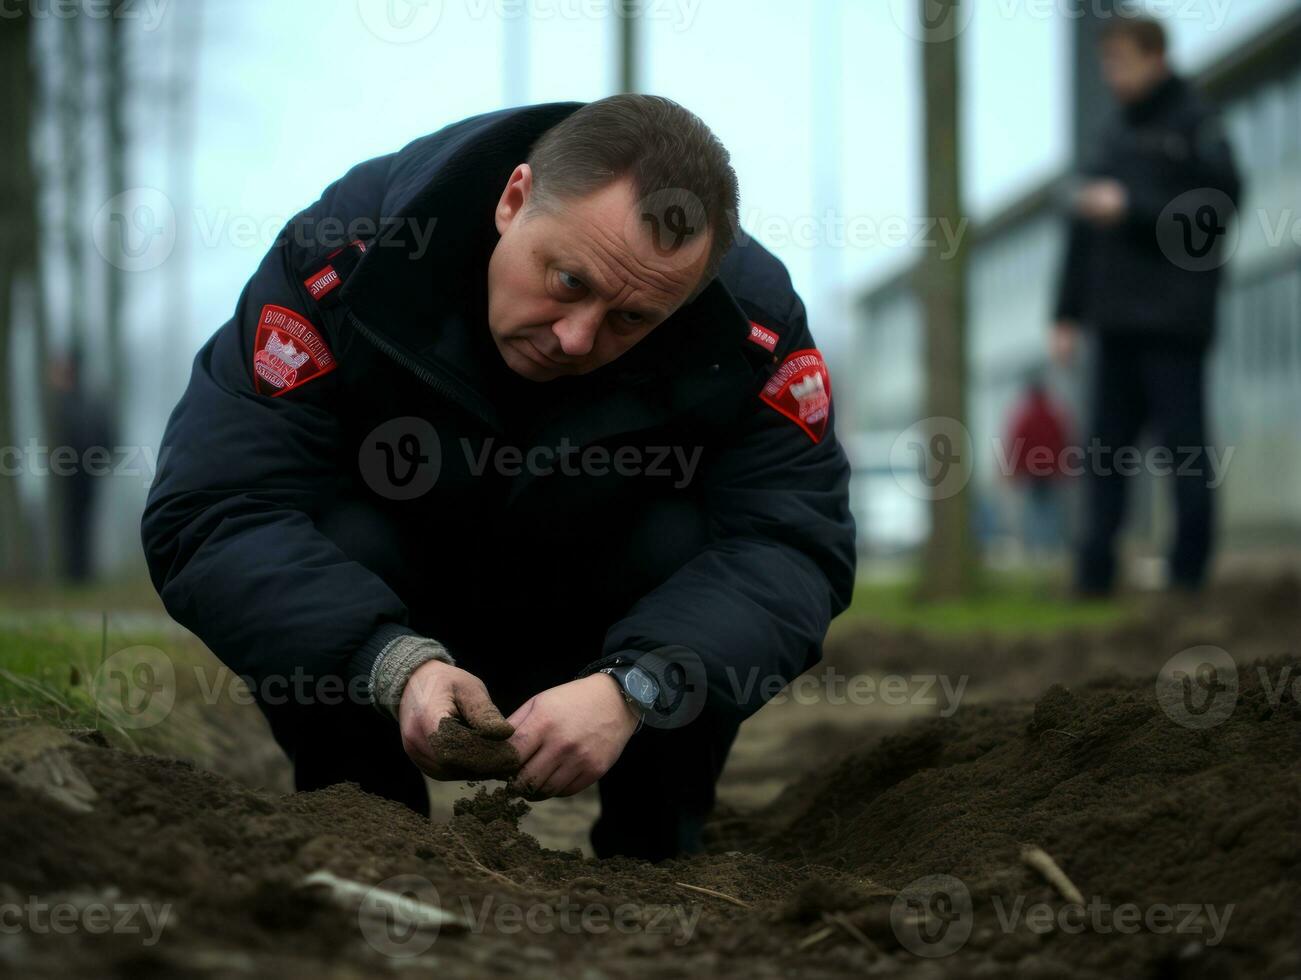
(419, 370)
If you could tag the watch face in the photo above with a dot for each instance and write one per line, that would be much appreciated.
(641, 686)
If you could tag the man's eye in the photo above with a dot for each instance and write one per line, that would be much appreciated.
(570, 281)
(629, 318)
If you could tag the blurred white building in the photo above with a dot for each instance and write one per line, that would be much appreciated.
(1255, 375)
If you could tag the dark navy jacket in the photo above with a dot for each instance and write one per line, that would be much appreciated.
(744, 564)
(1157, 271)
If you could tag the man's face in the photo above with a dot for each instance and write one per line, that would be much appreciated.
(1130, 72)
(572, 288)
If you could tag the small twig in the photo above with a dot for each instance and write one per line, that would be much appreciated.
(710, 891)
(813, 938)
(1059, 731)
(1039, 859)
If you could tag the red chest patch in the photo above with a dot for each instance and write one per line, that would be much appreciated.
(287, 352)
(801, 390)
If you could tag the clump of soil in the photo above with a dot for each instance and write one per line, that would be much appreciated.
(462, 752)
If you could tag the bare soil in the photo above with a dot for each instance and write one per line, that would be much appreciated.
(853, 838)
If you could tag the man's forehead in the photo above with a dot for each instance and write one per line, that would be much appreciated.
(625, 241)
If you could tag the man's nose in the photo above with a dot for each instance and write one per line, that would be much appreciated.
(577, 331)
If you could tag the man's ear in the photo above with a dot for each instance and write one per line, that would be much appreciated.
(514, 198)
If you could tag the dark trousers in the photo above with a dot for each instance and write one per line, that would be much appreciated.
(1140, 382)
(654, 799)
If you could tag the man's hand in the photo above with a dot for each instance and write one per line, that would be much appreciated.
(434, 691)
(1063, 342)
(569, 736)
(1102, 202)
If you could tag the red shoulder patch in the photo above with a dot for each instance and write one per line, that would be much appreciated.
(764, 337)
(287, 352)
(801, 390)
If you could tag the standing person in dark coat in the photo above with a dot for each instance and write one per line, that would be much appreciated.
(509, 424)
(1142, 270)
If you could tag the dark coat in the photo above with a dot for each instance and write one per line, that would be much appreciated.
(744, 564)
(1157, 271)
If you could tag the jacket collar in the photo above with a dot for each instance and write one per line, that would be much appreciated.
(442, 190)
(1163, 94)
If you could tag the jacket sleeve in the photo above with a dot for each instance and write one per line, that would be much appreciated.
(227, 529)
(750, 610)
(1071, 286)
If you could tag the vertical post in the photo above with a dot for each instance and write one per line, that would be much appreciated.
(628, 12)
(948, 568)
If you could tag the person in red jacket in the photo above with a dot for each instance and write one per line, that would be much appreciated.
(1037, 437)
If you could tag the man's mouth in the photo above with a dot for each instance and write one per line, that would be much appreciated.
(541, 359)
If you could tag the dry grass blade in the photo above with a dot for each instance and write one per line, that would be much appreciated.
(710, 891)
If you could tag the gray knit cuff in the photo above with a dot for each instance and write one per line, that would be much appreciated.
(395, 664)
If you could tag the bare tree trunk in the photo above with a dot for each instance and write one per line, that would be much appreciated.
(115, 171)
(18, 218)
(949, 565)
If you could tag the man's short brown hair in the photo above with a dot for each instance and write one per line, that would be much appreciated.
(1146, 33)
(666, 151)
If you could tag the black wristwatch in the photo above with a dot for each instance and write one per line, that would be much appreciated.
(639, 688)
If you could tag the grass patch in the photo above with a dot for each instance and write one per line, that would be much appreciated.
(1011, 606)
(127, 685)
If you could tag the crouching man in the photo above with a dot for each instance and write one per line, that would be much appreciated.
(509, 422)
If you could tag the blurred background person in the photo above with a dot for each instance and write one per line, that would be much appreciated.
(79, 422)
(1038, 432)
(1142, 269)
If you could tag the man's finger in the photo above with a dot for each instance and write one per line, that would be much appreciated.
(527, 740)
(535, 775)
(478, 711)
